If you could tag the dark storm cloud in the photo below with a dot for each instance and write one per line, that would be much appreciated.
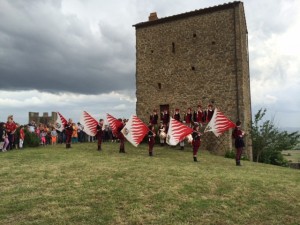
(44, 49)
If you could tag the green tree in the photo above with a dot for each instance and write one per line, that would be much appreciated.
(268, 141)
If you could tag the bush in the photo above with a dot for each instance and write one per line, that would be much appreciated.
(31, 139)
(230, 154)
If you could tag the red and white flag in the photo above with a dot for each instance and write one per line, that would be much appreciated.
(219, 123)
(113, 123)
(89, 123)
(177, 132)
(60, 122)
(135, 130)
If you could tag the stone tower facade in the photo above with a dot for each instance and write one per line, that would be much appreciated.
(198, 57)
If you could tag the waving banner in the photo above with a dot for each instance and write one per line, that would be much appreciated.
(89, 123)
(60, 122)
(113, 123)
(177, 132)
(219, 123)
(135, 130)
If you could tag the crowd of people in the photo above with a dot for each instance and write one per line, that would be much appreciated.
(13, 135)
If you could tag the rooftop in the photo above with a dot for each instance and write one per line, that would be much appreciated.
(188, 14)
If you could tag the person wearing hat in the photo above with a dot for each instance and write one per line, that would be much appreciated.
(99, 133)
(11, 128)
(188, 117)
(165, 117)
(209, 113)
(196, 141)
(153, 118)
(176, 115)
(199, 115)
(237, 135)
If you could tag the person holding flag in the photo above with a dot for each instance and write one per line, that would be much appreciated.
(99, 133)
(196, 140)
(151, 139)
(69, 130)
(237, 135)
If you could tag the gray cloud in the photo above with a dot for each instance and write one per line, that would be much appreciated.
(46, 50)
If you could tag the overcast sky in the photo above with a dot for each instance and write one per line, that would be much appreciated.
(75, 55)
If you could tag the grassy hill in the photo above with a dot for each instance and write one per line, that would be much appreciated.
(52, 185)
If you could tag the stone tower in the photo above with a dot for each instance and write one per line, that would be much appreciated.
(198, 57)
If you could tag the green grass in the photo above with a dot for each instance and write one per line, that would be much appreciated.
(292, 155)
(53, 185)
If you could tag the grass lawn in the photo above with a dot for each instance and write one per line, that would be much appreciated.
(292, 155)
(52, 185)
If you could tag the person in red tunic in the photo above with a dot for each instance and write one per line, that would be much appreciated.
(121, 137)
(209, 113)
(176, 115)
(165, 117)
(69, 131)
(153, 118)
(11, 128)
(199, 115)
(151, 139)
(237, 135)
(99, 133)
(188, 117)
(196, 141)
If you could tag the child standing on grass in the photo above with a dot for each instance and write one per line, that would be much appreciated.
(53, 136)
(22, 137)
(43, 137)
(5, 139)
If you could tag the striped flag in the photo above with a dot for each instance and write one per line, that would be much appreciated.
(60, 122)
(114, 124)
(89, 123)
(177, 132)
(219, 123)
(135, 130)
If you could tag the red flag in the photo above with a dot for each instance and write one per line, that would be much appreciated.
(114, 124)
(219, 123)
(60, 122)
(135, 130)
(177, 132)
(89, 123)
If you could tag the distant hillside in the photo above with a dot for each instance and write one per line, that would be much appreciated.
(290, 129)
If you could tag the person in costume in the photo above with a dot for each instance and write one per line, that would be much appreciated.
(69, 132)
(154, 118)
(11, 128)
(209, 113)
(176, 115)
(99, 133)
(237, 135)
(165, 117)
(151, 139)
(121, 137)
(199, 115)
(196, 141)
(188, 117)
(162, 132)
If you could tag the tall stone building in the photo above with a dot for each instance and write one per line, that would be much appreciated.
(198, 57)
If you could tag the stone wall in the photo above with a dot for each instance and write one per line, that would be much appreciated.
(196, 59)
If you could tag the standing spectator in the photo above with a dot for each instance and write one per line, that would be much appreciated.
(53, 136)
(11, 128)
(5, 139)
(74, 133)
(22, 137)
(80, 132)
(43, 135)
